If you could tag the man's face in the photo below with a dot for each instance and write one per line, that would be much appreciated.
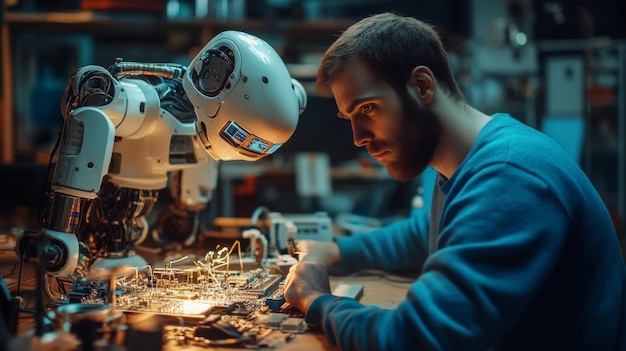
(395, 129)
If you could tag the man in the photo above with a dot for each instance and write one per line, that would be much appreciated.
(522, 253)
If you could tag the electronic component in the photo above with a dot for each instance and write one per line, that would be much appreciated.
(293, 324)
(275, 302)
(354, 291)
(282, 227)
(219, 330)
(273, 320)
(291, 248)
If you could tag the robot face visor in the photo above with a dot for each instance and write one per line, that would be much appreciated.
(244, 140)
(211, 72)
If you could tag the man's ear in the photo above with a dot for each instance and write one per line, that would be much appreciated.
(422, 83)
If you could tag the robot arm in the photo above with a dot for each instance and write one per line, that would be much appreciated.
(127, 127)
(77, 177)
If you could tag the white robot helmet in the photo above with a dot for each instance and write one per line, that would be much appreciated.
(246, 103)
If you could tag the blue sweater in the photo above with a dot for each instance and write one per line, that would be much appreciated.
(527, 258)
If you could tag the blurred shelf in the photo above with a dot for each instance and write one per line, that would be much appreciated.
(97, 23)
(565, 45)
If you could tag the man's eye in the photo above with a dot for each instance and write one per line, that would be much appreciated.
(366, 108)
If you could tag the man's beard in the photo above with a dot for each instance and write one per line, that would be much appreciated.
(418, 144)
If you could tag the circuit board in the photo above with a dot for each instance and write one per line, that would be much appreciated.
(192, 294)
(220, 302)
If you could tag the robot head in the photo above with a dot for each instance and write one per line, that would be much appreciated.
(246, 102)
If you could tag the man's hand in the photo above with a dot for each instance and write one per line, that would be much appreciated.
(326, 253)
(304, 283)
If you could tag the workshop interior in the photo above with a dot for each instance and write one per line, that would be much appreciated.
(145, 205)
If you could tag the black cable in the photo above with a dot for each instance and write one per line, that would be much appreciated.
(19, 275)
(43, 208)
(61, 286)
(40, 273)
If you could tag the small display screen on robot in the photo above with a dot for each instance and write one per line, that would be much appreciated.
(239, 137)
(236, 132)
(257, 145)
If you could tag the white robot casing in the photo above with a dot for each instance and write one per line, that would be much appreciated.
(257, 94)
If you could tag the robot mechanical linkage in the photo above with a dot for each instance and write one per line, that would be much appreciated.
(133, 127)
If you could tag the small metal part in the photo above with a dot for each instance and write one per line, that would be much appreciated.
(293, 324)
(274, 320)
(291, 247)
(354, 291)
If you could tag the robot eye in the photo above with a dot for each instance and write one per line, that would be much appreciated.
(212, 75)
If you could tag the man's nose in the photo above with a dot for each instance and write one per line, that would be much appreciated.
(360, 135)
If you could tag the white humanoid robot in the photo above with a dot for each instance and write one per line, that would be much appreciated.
(132, 127)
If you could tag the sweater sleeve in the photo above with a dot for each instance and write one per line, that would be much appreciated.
(401, 246)
(493, 254)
